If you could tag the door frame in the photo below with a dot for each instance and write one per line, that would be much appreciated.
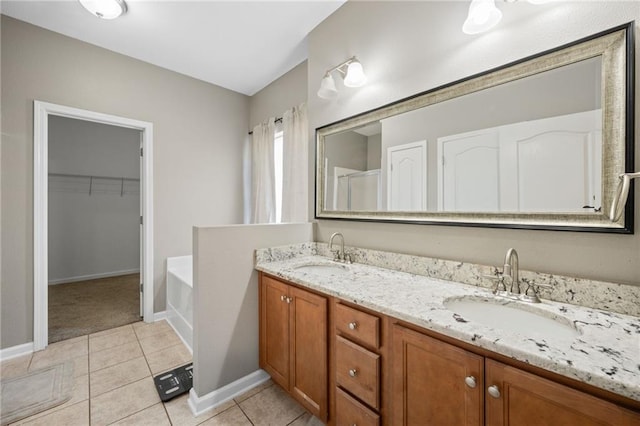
(41, 113)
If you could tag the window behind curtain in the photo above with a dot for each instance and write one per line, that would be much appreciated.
(277, 161)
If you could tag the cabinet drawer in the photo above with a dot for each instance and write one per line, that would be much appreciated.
(350, 412)
(359, 326)
(358, 371)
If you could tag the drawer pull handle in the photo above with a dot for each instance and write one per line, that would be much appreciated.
(353, 372)
(470, 381)
(353, 325)
(494, 391)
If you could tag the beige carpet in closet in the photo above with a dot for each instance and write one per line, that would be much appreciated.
(85, 307)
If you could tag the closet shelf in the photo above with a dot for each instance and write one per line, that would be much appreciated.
(69, 175)
(93, 184)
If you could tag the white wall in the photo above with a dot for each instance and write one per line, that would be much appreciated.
(410, 47)
(97, 234)
(225, 298)
(198, 129)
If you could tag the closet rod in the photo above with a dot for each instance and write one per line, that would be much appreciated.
(277, 120)
(93, 176)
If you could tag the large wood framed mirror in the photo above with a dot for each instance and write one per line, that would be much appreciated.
(535, 144)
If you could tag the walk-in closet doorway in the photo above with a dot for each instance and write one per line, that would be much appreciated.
(93, 257)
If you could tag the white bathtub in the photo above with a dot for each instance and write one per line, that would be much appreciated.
(180, 297)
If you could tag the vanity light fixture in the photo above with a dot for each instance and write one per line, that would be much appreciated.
(352, 73)
(483, 15)
(105, 9)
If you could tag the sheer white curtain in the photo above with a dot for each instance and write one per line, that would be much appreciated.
(263, 173)
(295, 162)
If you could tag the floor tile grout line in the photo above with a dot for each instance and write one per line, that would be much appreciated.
(117, 420)
(245, 414)
(111, 347)
(217, 414)
(133, 414)
(39, 415)
(300, 416)
(166, 412)
(110, 331)
(162, 349)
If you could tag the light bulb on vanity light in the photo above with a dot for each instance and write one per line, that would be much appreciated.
(105, 9)
(327, 87)
(483, 15)
(355, 76)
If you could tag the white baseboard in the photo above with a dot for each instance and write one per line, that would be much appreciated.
(218, 397)
(93, 276)
(16, 351)
(159, 316)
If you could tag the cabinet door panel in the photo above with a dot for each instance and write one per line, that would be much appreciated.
(275, 330)
(429, 382)
(529, 399)
(309, 351)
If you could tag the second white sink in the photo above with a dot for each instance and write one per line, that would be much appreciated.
(322, 268)
(506, 315)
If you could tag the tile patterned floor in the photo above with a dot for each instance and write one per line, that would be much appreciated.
(114, 372)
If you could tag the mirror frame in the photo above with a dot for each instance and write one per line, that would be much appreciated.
(616, 48)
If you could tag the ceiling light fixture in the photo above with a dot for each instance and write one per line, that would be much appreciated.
(105, 9)
(351, 71)
(483, 15)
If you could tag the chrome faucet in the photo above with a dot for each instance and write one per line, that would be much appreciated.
(510, 277)
(511, 270)
(339, 255)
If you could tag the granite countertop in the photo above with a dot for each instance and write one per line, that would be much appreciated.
(605, 354)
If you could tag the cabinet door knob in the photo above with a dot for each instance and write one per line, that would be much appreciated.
(289, 300)
(353, 325)
(470, 381)
(353, 372)
(494, 391)
(283, 298)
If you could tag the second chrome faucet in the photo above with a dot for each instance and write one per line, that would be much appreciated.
(508, 281)
(339, 255)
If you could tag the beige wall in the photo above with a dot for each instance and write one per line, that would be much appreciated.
(410, 47)
(199, 130)
(225, 299)
(282, 94)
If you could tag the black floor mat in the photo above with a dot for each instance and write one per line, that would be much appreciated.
(174, 382)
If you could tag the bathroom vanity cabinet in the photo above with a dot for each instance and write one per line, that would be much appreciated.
(439, 383)
(429, 381)
(354, 366)
(293, 342)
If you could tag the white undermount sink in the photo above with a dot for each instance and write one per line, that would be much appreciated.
(322, 268)
(511, 316)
